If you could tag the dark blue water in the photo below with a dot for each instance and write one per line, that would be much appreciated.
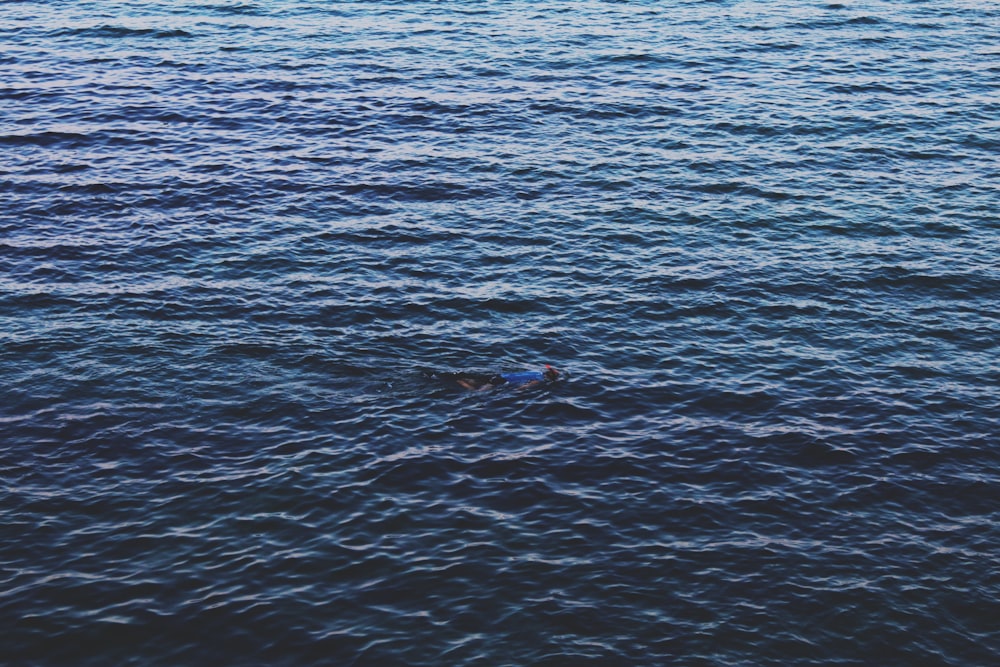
(760, 238)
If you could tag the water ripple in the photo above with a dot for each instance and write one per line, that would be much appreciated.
(238, 239)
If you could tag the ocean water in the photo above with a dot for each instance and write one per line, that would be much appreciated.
(760, 239)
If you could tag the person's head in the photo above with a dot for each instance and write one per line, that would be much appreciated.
(551, 374)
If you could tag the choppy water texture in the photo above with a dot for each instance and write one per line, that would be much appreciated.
(760, 237)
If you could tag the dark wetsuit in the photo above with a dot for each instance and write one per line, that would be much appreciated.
(521, 377)
(514, 379)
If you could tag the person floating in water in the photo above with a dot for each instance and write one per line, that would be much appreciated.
(517, 379)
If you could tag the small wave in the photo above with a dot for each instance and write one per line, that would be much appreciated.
(109, 31)
(233, 9)
(47, 138)
(864, 20)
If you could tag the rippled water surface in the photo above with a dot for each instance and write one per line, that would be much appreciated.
(237, 238)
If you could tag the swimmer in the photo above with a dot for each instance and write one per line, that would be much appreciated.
(518, 380)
